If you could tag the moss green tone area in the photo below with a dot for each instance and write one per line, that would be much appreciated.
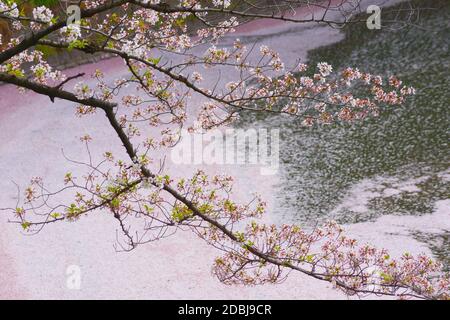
(47, 3)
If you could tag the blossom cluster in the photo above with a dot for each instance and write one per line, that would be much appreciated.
(42, 71)
(327, 252)
(9, 9)
(43, 14)
(321, 98)
(71, 33)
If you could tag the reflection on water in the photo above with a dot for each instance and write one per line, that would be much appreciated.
(393, 195)
(320, 165)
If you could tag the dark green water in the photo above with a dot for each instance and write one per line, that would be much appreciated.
(320, 165)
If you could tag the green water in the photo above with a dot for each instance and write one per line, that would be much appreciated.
(320, 165)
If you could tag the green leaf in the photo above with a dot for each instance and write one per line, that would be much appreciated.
(148, 209)
(155, 60)
(55, 215)
(80, 44)
(115, 203)
(180, 213)
(240, 236)
(25, 225)
(386, 277)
